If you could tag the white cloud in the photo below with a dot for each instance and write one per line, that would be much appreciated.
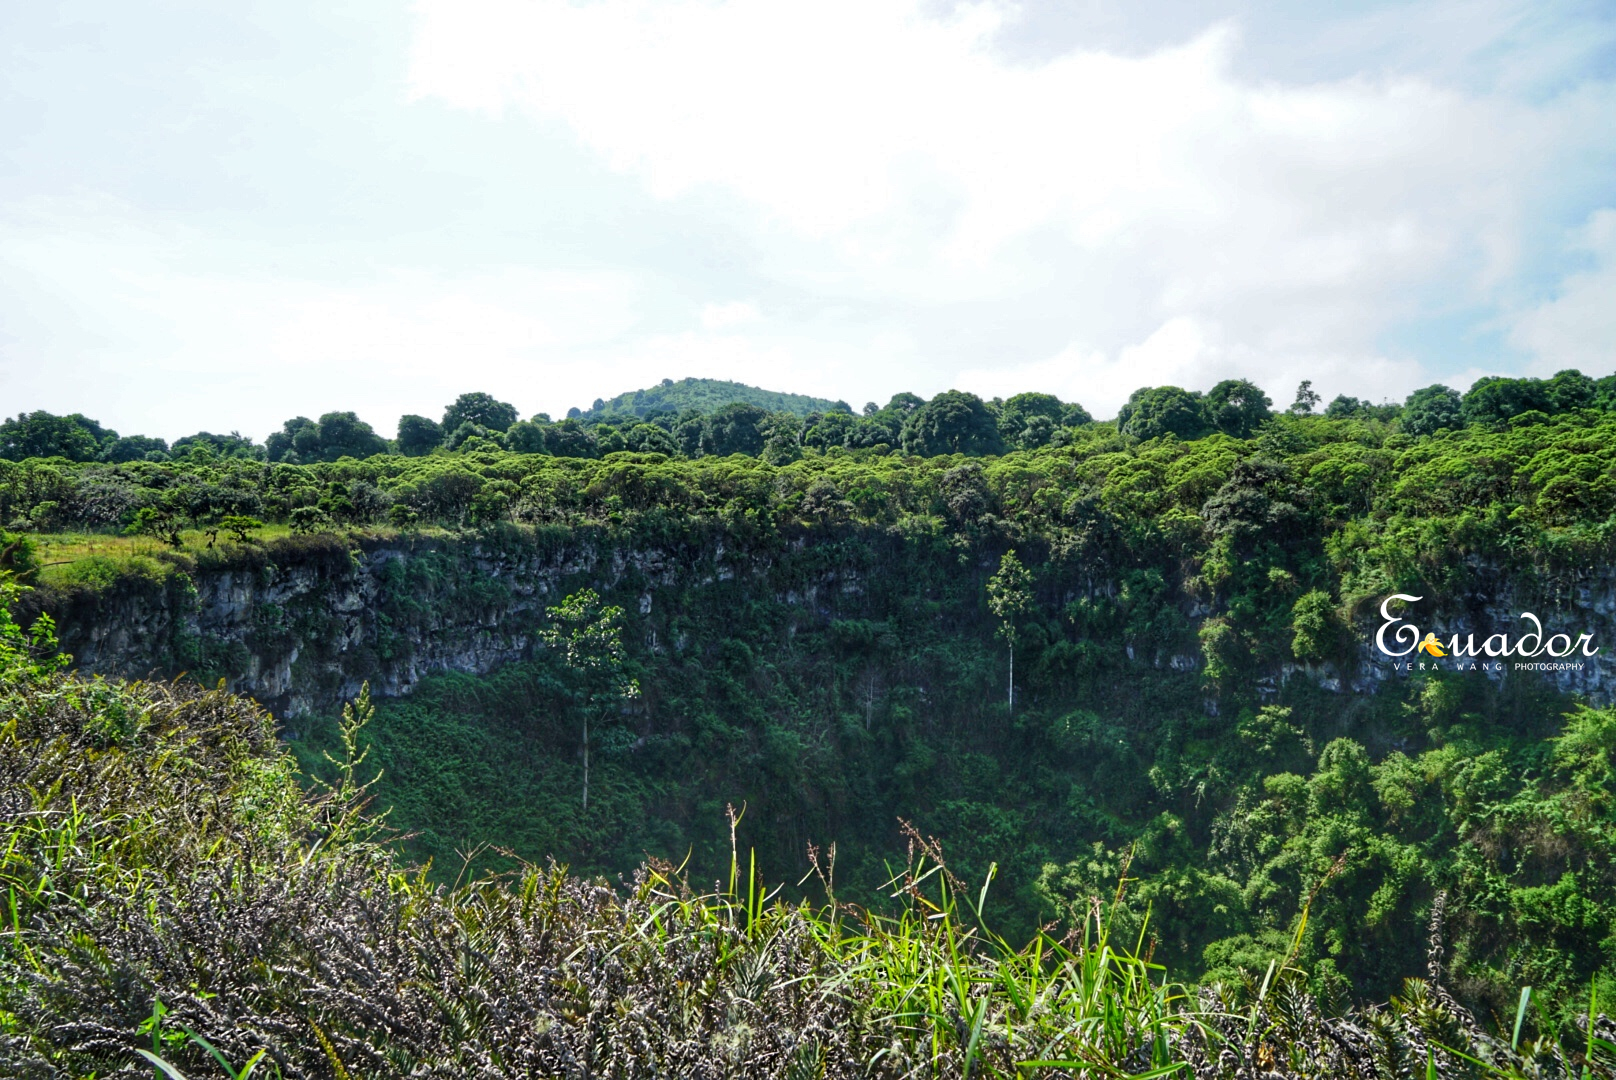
(162, 348)
(845, 198)
(250, 351)
(1166, 214)
(1183, 352)
(1577, 328)
(735, 313)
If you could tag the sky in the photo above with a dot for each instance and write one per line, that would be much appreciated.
(219, 216)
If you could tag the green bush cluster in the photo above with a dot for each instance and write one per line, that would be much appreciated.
(76, 437)
(1480, 487)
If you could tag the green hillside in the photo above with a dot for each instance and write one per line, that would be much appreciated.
(706, 395)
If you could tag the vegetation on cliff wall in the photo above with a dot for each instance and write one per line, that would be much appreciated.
(1231, 821)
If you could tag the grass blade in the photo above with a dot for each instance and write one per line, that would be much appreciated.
(173, 1073)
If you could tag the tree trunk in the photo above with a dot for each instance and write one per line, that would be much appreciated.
(586, 764)
(1012, 676)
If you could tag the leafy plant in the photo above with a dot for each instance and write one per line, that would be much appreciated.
(240, 527)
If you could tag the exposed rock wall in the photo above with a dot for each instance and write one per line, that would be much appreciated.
(301, 630)
(301, 626)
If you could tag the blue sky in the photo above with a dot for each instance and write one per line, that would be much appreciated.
(222, 216)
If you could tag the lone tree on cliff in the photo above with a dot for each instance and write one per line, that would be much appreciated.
(1010, 597)
(590, 638)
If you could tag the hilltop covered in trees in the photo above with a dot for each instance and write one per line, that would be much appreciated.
(704, 396)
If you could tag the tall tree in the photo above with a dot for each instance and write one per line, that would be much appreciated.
(825, 430)
(571, 439)
(1009, 598)
(418, 435)
(1570, 389)
(1237, 407)
(735, 429)
(302, 441)
(298, 437)
(590, 638)
(233, 445)
(134, 448)
(1432, 408)
(484, 410)
(1496, 400)
(1307, 399)
(1019, 416)
(953, 422)
(343, 434)
(1154, 411)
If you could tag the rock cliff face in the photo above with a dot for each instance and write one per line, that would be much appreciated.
(302, 630)
(301, 626)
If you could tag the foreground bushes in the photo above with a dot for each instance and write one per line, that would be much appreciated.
(170, 889)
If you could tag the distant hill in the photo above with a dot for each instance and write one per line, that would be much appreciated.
(706, 395)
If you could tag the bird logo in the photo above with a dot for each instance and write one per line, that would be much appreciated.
(1430, 646)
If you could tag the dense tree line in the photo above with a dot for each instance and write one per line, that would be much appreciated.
(953, 422)
(1224, 459)
(76, 437)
